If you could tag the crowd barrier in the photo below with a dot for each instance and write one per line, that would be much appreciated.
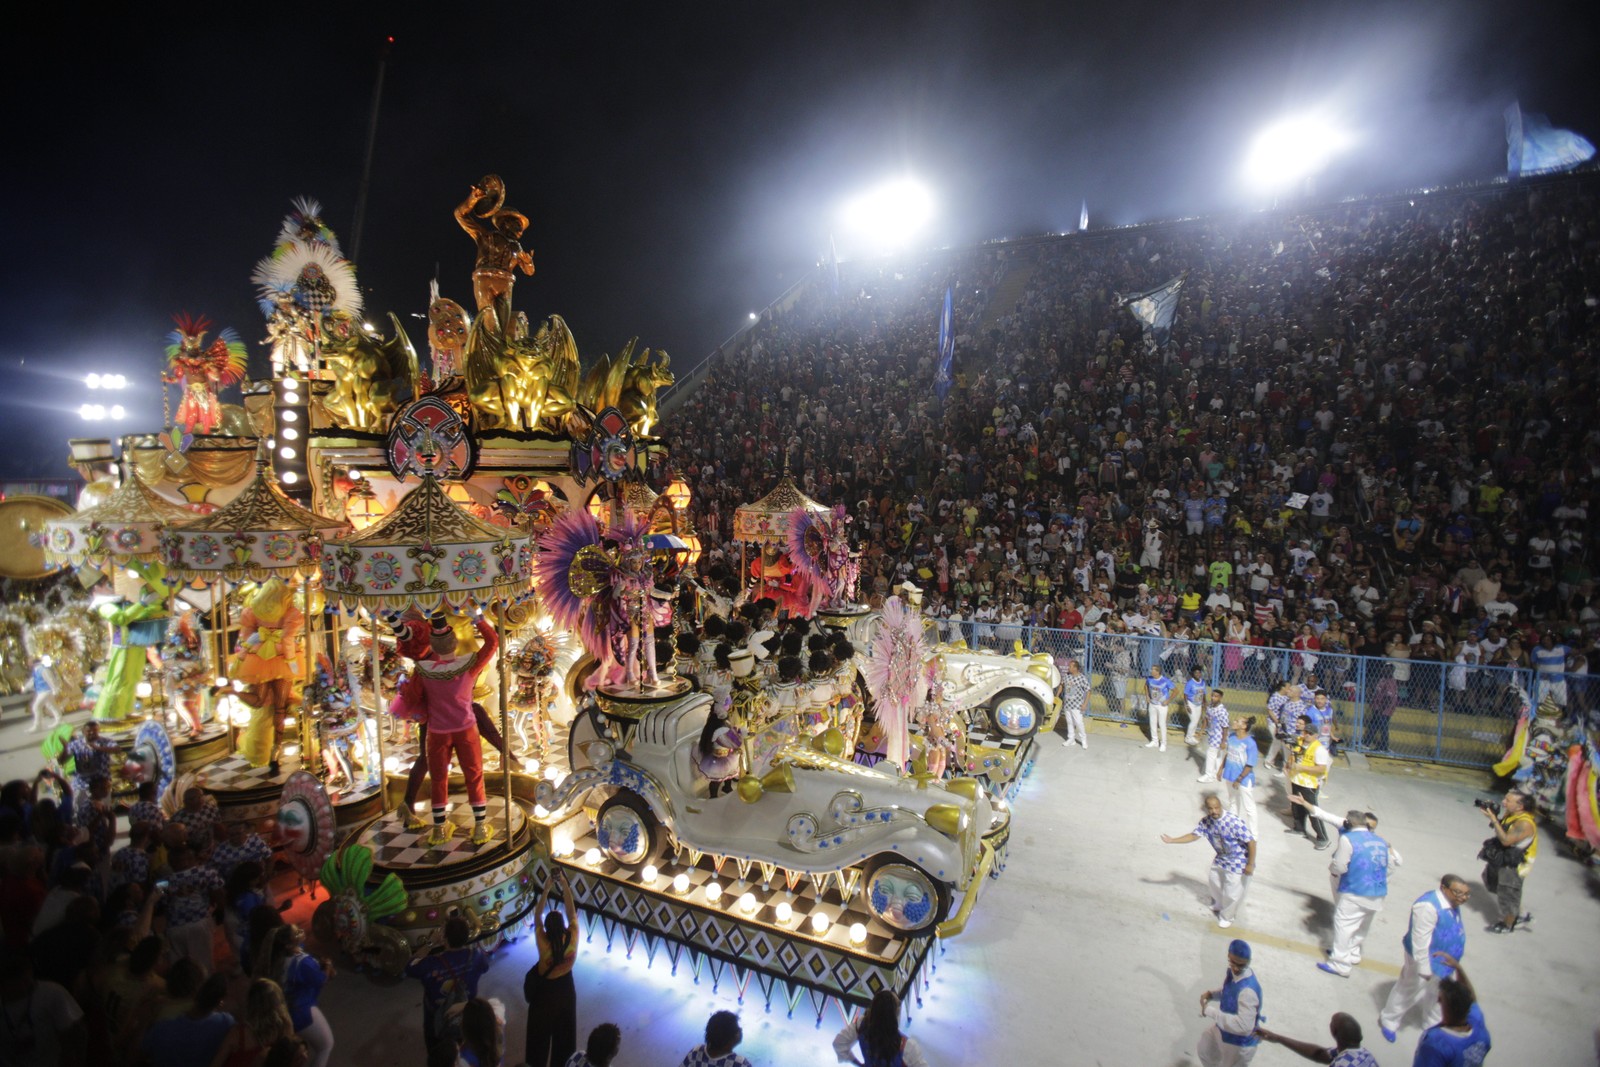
(1436, 712)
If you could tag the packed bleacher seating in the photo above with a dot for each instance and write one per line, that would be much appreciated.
(1372, 430)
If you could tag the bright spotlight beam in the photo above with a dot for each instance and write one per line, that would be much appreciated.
(1292, 150)
(891, 214)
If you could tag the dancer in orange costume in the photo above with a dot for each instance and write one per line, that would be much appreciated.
(267, 659)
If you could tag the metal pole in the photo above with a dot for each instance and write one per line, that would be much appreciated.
(505, 715)
(307, 691)
(377, 711)
(366, 165)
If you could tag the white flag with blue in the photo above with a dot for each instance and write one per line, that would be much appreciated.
(1155, 308)
(947, 343)
(1533, 146)
(1083, 217)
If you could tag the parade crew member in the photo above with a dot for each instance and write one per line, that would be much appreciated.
(1158, 691)
(1194, 700)
(1435, 941)
(1239, 771)
(1307, 771)
(1074, 702)
(1216, 735)
(1518, 836)
(1281, 741)
(91, 758)
(1235, 848)
(1361, 864)
(1235, 1010)
(1346, 1050)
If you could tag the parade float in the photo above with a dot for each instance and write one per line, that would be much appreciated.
(474, 570)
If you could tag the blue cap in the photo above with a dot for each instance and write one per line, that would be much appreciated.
(1240, 948)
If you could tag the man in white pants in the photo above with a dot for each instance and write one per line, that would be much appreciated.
(1074, 702)
(1194, 699)
(1235, 1011)
(1360, 869)
(1216, 735)
(1435, 941)
(1158, 691)
(1235, 861)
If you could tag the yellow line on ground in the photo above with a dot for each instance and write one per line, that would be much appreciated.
(1304, 948)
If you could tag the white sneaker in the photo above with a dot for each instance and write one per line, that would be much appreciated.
(1153, 744)
(1205, 778)
(1224, 923)
(1068, 744)
(1163, 748)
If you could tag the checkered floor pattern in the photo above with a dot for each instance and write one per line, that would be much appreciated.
(233, 773)
(394, 846)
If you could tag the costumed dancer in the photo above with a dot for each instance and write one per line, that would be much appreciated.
(897, 677)
(416, 644)
(184, 665)
(819, 546)
(267, 659)
(203, 370)
(129, 655)
(439, 694)
(1216, 735)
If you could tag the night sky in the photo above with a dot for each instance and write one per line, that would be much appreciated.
(680, 168)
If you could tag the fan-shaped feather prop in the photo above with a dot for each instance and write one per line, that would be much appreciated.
(314, 275)
(896, 676)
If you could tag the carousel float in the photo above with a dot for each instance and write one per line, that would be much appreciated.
(266, 571)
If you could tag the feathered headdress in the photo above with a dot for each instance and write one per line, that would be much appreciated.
(304, 225)
(572, 569)
(316, 277)
(225, 356)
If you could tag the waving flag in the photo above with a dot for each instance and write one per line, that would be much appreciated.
(1155, 308)
(947, 343)
(1083, 217)
(1533, 146)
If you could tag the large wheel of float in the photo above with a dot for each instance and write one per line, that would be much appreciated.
(629, 831)
(1015, 713)
(903, 896)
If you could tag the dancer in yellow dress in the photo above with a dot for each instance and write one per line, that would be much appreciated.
(268, 660)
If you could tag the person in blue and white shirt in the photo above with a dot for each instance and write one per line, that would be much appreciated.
(1435, 941)
(1074, 702)
(1346, 1050)
(1235, 1012)
(1194, 700)
(1239, 771)
(1360, 871)
(1158, 690)
(1461, 1037)
(1216, 735)
(1235, 848)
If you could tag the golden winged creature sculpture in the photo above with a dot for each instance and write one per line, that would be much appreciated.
(628, 384)
(369, 372)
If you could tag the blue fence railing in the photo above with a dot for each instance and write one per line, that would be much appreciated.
(1440, 712)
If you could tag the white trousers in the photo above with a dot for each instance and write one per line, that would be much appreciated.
(1213, 761)
(1215, 1052)
(193, 942)
(1158, 724)
(1243, 798)
(1076, 734)
(1411, 989)
(1275, 750)
(1195, 713)
(1351, 921)
(318, 1037)
(1227, 892)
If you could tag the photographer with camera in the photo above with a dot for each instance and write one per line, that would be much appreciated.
(1509, 855)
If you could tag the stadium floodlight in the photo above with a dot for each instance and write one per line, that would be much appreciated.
(1292, 150)
(890, 214)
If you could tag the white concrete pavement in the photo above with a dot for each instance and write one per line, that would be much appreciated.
(1094, 946)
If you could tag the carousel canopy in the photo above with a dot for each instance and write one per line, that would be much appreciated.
(767, 520)
(127, 526)
(260, 533)
(429, 553)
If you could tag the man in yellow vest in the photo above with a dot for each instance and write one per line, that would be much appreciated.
(1307, 771)
(1518, 835)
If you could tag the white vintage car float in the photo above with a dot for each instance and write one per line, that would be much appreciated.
(915, 844)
